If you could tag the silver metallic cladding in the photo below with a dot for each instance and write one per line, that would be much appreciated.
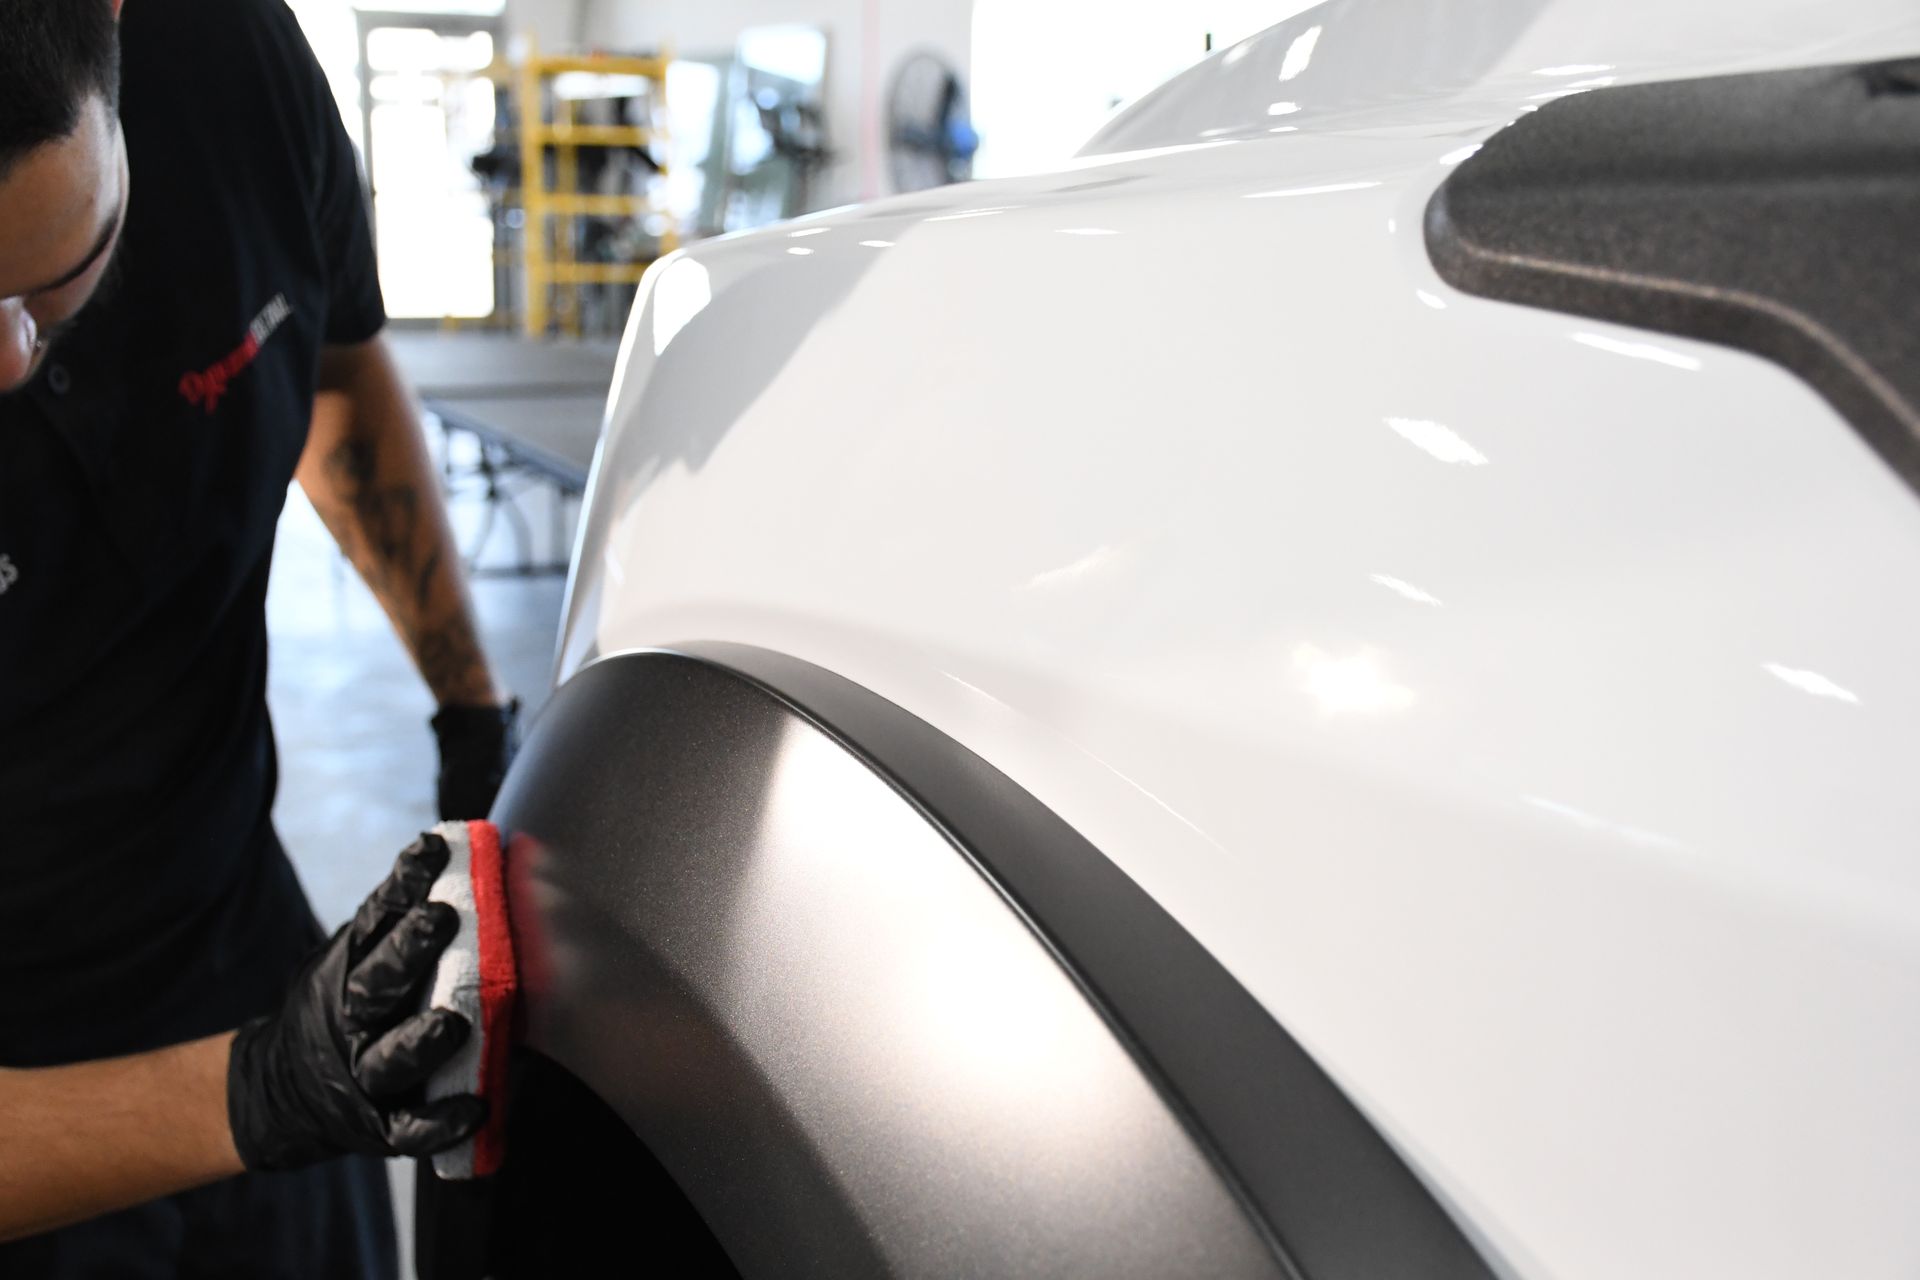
(828, 1026)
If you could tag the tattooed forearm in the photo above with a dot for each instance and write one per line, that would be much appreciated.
(368, 474)
(423, 589)
(377, 525)
(450, 659)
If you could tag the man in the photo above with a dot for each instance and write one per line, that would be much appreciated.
(337, 1068)
(189, 318)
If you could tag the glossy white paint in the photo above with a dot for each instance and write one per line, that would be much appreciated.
(1524, 708)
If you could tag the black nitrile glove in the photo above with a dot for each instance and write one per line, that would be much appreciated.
(476, 746)
(340, 1067)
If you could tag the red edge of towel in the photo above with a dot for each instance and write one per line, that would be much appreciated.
(498, 981)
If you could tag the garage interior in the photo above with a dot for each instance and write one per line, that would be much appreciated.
(1124, 638)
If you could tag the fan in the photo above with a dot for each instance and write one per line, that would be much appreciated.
(930, 140)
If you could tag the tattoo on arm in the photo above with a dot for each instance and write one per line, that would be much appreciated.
(448, 657)
(423, 590)
(380, 528)
(380, 536)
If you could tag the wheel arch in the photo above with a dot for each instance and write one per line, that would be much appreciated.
(880, 1012)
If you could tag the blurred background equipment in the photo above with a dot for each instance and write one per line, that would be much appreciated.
(750, 130)
(589, 129)
(509, 189)
(777, 130)
(930, 136)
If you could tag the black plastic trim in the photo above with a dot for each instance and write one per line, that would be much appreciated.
(1776, 212)
(1332, 1199)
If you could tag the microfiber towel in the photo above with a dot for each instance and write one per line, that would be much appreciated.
(477, 979)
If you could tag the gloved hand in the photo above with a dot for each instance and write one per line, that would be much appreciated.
(476, 746)
(340, 1067)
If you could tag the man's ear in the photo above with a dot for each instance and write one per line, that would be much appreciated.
(116, 9)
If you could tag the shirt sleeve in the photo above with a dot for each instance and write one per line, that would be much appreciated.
(355, 310)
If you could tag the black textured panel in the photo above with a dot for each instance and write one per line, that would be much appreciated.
(1777, 212)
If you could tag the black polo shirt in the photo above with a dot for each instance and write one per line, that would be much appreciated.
(143, 895)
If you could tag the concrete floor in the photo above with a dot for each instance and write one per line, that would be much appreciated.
(357, 758)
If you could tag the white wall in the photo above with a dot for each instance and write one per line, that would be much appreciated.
(556, 25)
(866, 39)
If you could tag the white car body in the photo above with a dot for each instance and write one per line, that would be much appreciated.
(1525, 709)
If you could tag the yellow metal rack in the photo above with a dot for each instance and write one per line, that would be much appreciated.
(548, 239)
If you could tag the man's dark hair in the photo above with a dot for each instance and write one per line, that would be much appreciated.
(54, 55)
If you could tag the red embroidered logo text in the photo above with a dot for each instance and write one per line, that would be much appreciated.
(204, 389)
